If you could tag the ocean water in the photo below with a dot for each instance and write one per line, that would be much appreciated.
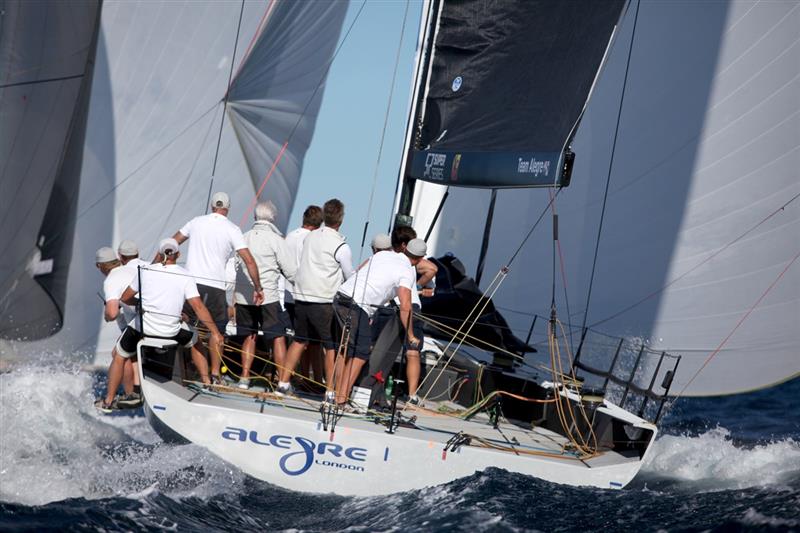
(725, 464)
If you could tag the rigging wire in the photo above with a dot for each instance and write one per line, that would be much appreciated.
(383, 131)
(610, 166)
(224, 107)
(188, 177)
(378, 159)
(739, 323)
(701, 263)
(26, 256)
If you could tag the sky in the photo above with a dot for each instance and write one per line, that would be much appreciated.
(342, 158)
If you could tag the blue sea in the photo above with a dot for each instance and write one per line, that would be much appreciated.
(724, 464)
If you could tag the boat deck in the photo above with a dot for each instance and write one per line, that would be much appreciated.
(426, 424)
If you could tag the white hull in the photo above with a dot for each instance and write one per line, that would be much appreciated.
(283, 442)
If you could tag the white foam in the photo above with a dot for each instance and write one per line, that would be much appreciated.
(54, 445)
(714, 462)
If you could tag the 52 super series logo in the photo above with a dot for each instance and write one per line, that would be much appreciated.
(303, 452)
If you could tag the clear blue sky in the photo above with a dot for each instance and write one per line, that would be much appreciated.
(341, 160)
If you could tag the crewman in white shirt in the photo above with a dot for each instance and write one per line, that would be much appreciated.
(163, 288)
(212, 240)
(425, 274)
(128, 252)
(325, 263)
(312, 219)
(274, 260)
(116, 280)
(129, 255)
(387, 274)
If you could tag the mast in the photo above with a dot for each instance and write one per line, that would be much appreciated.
(427, 36)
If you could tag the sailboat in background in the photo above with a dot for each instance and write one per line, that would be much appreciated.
(47, 56)
(161, 74)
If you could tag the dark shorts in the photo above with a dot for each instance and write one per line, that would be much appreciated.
(290, 316)
(314, 323)
(268, 319)
(360, 340)
(384, 315)
(217, 304)
(126, 344)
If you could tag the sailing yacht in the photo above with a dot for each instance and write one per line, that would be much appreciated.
(660, 185)
(541, 420)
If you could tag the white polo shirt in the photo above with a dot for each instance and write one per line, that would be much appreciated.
(113, 286)
(212, 240)
(163, 291)
(377, 281)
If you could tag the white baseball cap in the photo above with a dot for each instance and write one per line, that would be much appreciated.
(221, 200)
(168, 246)
(106, 254)
(128, 248)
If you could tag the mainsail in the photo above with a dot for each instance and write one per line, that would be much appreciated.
(47, 54)
(685, 183)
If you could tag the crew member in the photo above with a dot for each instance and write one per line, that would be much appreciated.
(311, 360)
(387, 274)
(425, 274)
(325, 263)
(212, 240)
(115, 282)
(163, 288)
(128, 252)
(274, 260)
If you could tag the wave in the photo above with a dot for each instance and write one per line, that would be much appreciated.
(713, 461)
(54, 446)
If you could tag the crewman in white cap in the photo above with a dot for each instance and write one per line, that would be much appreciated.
(116, 281)
(212, 240)
(163, 288)
(128, 252)
(387, 274)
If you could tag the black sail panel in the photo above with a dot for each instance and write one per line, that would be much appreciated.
(508, 83)
(46, 58)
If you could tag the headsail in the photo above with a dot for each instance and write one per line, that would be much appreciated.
(507, 84)
(275, 97)
(47, 54)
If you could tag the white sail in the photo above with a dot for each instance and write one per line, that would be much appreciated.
(162, 71)
(707, 154)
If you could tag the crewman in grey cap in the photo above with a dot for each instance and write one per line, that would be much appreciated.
(380, 242)
(116, 281)
(387, 274)
(128, 252)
